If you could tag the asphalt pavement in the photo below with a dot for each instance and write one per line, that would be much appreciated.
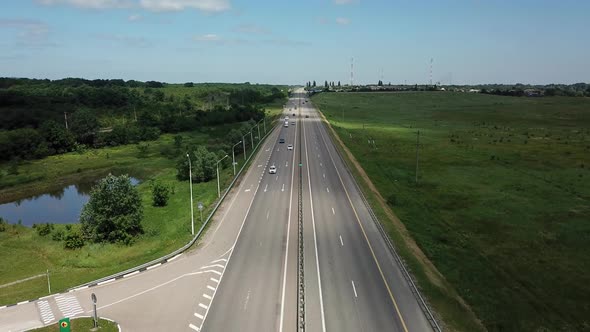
(243, 274)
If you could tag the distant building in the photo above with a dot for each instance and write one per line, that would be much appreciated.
(533, 93)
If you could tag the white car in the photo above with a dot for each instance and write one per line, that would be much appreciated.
(290, 147)
(272, 169)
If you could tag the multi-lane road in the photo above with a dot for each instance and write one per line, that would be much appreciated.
(243, 274)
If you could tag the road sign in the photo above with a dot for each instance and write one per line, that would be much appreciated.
(200, 206)
(64, 325)
(93, 297)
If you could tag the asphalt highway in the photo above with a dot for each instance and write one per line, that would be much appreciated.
(243, 274)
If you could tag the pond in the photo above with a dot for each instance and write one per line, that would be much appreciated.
(59, 207)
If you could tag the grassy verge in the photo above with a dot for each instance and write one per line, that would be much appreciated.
(82, 325)
(500, 205)
(23, 253)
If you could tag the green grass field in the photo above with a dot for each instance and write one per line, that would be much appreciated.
(23, 253)
(82, 325)
(502, 204)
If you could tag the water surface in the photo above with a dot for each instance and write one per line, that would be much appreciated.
(59, 207)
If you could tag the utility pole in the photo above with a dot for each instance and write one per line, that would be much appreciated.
(352, 72)
(48, 283)
(417, 149)
(66, 118)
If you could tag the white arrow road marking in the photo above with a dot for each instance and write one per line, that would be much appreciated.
(265, 188)
(327, 189)
(333, 212)
(341, 242)
(354, 288)
(283, 189)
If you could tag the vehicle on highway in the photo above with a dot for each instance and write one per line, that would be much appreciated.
(293, 114)
(292, 123)
(281, 140)
(307, 116)
(287, 123)
(272, 169)
(290, 147)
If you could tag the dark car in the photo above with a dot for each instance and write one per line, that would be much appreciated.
(281, 140)
(307, 116)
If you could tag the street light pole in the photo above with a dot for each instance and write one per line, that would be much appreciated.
(233, 156)
(190, 177)
(252, 138)
(258, 126)
(218, 187)
(244, 145)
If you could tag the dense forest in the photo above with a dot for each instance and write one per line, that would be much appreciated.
(43, 117)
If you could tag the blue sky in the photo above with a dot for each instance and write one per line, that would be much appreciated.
(280, 41)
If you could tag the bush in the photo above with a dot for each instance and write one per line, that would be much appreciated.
(73, 240)
(114, 211)
(43, 229)
(142, 148)
(58, 235)
(160, 194)
(2, 225)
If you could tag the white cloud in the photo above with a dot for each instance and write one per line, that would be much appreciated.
(135, 18)
(342, 21)
(90, 4)
(179, 5)
(210, 37)
(27, 30)
(343, 2)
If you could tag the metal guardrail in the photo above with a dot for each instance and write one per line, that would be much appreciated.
(167, 257)
(421, 302)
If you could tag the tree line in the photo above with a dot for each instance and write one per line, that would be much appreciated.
(36, 113)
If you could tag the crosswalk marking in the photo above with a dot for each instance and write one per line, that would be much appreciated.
(68, 305)
(46, 313)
